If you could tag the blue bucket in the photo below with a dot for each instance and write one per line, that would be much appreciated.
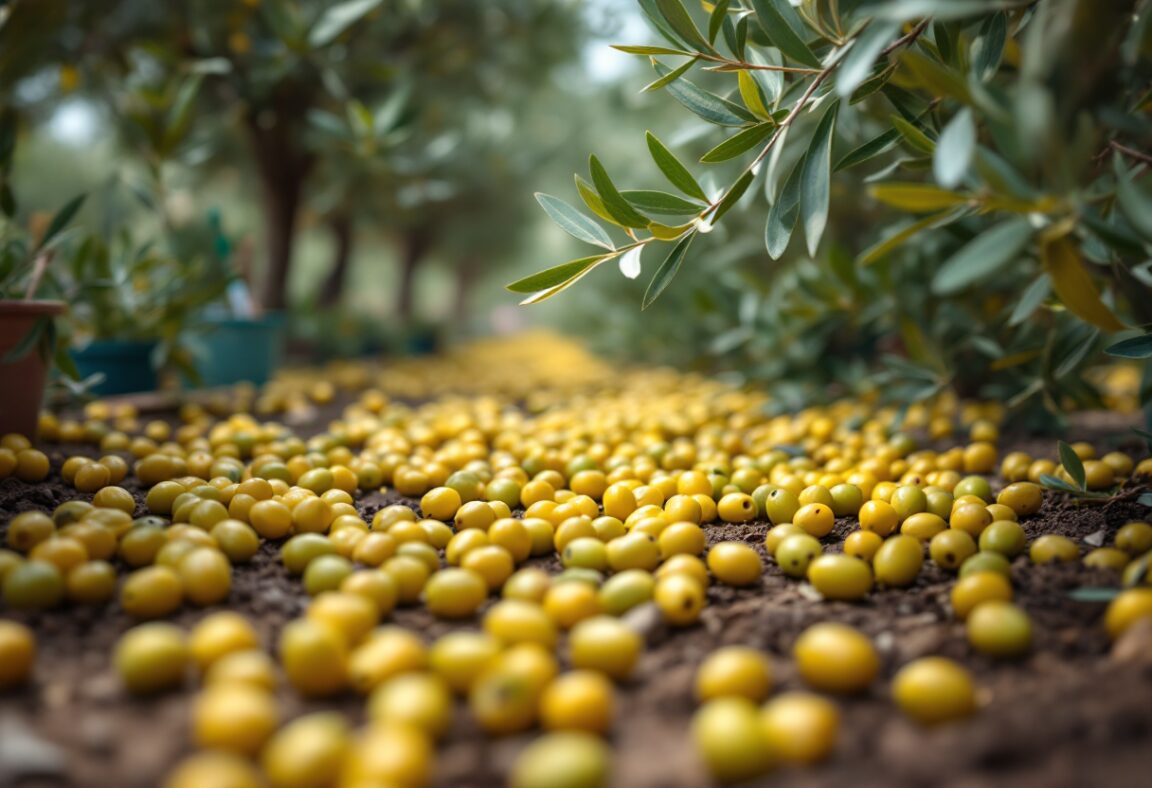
(126, 365)
(238, 350)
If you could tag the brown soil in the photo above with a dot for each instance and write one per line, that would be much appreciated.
(1067, 715)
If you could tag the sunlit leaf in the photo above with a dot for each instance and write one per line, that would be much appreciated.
(646, 50)
(1074, 285)
(895, 240)
(661, 203)
(815, 180)
(916, 197)
(613, 201)
(935, 76)
(556, 275)
(679, 20)
(676, 173)
(573, 222)
(338, 18)
(750, 93)
(669, 76)
(739, 143)
(857, 64)
(782, 36)
(954, 149)
(913, 135)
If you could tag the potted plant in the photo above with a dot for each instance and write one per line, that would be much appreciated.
(28, 328)
(131, 305)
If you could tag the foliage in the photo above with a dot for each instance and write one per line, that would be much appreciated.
(1001, 146)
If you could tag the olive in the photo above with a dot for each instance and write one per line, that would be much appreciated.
(796, 552)
(309, 751)
(581, 700)
(17, 654)
(605, 644)
(680, 598)
(1107, 558)
(839, 576)
(1051, 548)
(951, 548)
(735, 563)
(999, 629)
(625, 590)
(387, 652)
(460, 657)
(234, 717)
(314, 657)
(986, 562)
(932, 690)
(151, 658)
(898, 561)
(728, 737)
(421, 700)
(1126, 609)
(976, 588)
(455, 593)
(923, 526)
(863, 544)
(734, 671)
(566, 759)
(1004, 537)
(801, 728)
(836, 658)
(388, 755)
(1134, 538)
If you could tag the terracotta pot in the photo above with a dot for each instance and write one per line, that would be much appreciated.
(22, 381)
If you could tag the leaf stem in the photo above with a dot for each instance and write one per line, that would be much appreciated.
(1130, 152)
(727, 64)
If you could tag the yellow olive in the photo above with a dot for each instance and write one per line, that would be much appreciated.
(923, 526)
(212, 767)
(566, 759)
(933, 690)
(729, 739)
(421, 700)
(460, 657)
(151, 658)
(735, 563)
(836, 658)
(390, 755)
(314, 657)
(863, 544)
(898, 561)
(1134, 538)
(1051, 548)
(1004, 537)
(839, 576)
(605, 644)
(777, 533)
(801, 728)
(796, 552)
(950, 549)
(387, 652)
(234, 717)
(999, 629)
(582, 700)
(503, 701)
(680, 598)
(307, 752)
(625, 590)
(17, 654)
(455, 593)
(734, 671)
(1126, 609)
(1107, 558)
(514, 621)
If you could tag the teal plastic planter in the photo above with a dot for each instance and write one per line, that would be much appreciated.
(126, 366)
(236, 350)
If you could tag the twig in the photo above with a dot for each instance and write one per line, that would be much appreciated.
(908, 38)
(727, 64)
(39, 266)
(1130, 152)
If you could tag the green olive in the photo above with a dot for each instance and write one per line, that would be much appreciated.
(999, 629)
(796, 552)
(729, 739)
(839, 576)
(986, 561)
(1005, 537)
(898, 561)
(33, 585)
(625, 590)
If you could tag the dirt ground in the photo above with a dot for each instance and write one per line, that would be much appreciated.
(1069, 714)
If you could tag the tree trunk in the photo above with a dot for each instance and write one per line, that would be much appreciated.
(341, 226)
(415, 247)
(466, 273)
(283, 168)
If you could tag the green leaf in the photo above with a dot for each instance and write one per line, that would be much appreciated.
(988, 47)
(738, 143)
(1135, 204)
(1054, 483)
(733, 196)
(815, 178)
(338, 18)
(667, 270)
(669, 77)
(716, 20)
(666, 232)
(901, 236)
(556, 275)
(869, 150)
(679, 20)
(651, 10)
(61, 220)
(982, 256)
(782, 36)
(1145, 499)
(857, 64)
(593, 201)
(1135, 347)
(782, 214)
(1093, 594)
(936, 77)
(1072, 464)
(661, 203)
(676, 173)
(954, 149)
(1030, 300)
(903, 10)
(179, 116)
(913, 135)
(641, 50)
(613, 201)
(573, 222)
(915, 197)
(709, 106)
